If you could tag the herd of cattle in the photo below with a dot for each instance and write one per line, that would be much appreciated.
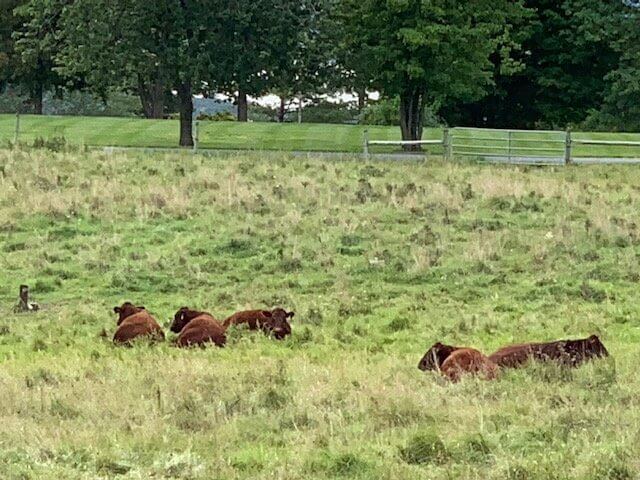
(195, 328)
(453, 362)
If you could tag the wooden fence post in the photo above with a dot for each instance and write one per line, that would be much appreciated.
(17, 134)
(24, 304)
(366, 144)
(196, 126)
(510, 134)
(446, 140)
(567, 147)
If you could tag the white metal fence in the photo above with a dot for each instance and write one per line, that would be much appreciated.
(538, 147)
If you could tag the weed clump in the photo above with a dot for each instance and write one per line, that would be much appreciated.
(425, 448)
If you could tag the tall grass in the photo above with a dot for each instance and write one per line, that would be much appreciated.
(378, 260)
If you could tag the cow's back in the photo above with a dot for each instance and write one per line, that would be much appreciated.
(468, 360)
(252, 318)
(140, 324)
(515, 355)
(202, 330)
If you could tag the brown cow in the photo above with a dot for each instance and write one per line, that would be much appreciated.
(135, 322)
(435, 356)
(565, 352)
(274, 322)
(468, 360)
(197, 328)
(453, 362)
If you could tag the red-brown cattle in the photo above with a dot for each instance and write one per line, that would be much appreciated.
(453, 362)
(435, 356)
(565, 352)
(197, 329)
(468, 361)
(272, 322)
(135, 322)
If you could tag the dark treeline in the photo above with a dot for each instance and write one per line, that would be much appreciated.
(494, 63)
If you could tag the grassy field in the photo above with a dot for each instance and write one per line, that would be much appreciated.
(133, 132)
(379, 261)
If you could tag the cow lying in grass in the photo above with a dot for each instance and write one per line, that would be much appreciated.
(197, 329)
(272, 322)
(135, 322)
(454, 362)
(565, 352)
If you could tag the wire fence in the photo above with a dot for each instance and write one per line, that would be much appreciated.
(485, 145)
(530, 147)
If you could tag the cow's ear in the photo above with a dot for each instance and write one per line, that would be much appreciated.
(290, 314)
(116, 309)
(141, 307)
(267, 313)
(593, 338)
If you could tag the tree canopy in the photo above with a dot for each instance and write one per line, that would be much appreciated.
(504, 63)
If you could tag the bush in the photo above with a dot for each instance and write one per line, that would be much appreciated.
(387, 112)
(217, 117)
(424, 448)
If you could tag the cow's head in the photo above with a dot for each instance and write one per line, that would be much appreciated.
(126, 310)
(276, 322)
(435, 357)
(595, 347)
(182, 318)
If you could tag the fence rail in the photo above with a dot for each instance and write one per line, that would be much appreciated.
(541, 147)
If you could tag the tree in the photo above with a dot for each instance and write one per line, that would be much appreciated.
(566, 61)
(354, 68)
(258, 40)
(428, 51)
(148, 46)
(126, 46)
(303, 64)
(616, 24)
(27, 48)
(8, 24)
(37, 44)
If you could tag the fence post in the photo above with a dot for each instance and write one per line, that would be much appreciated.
(17, 134)
(366, 144)
(446, 140)
(196, 126)
(567, 147)
(509, 145)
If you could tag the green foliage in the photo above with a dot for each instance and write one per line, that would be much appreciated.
(387, 112)
(424, 448)
(217, 117)
(419, 51)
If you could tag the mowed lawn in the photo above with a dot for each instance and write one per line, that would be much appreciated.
(134, 132)
(378, 260)
(131, 132)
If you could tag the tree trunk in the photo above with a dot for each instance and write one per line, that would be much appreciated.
(282, 110)
(151, 98)
(185, 99)
(411, 116)
(362, 99)
(36, 99)
(243, 106)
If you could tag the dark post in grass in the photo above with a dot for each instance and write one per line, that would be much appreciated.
(24, 305)
(567, 147)
(446, 144)
(196, 127)
(366, 144)
(17, 134)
